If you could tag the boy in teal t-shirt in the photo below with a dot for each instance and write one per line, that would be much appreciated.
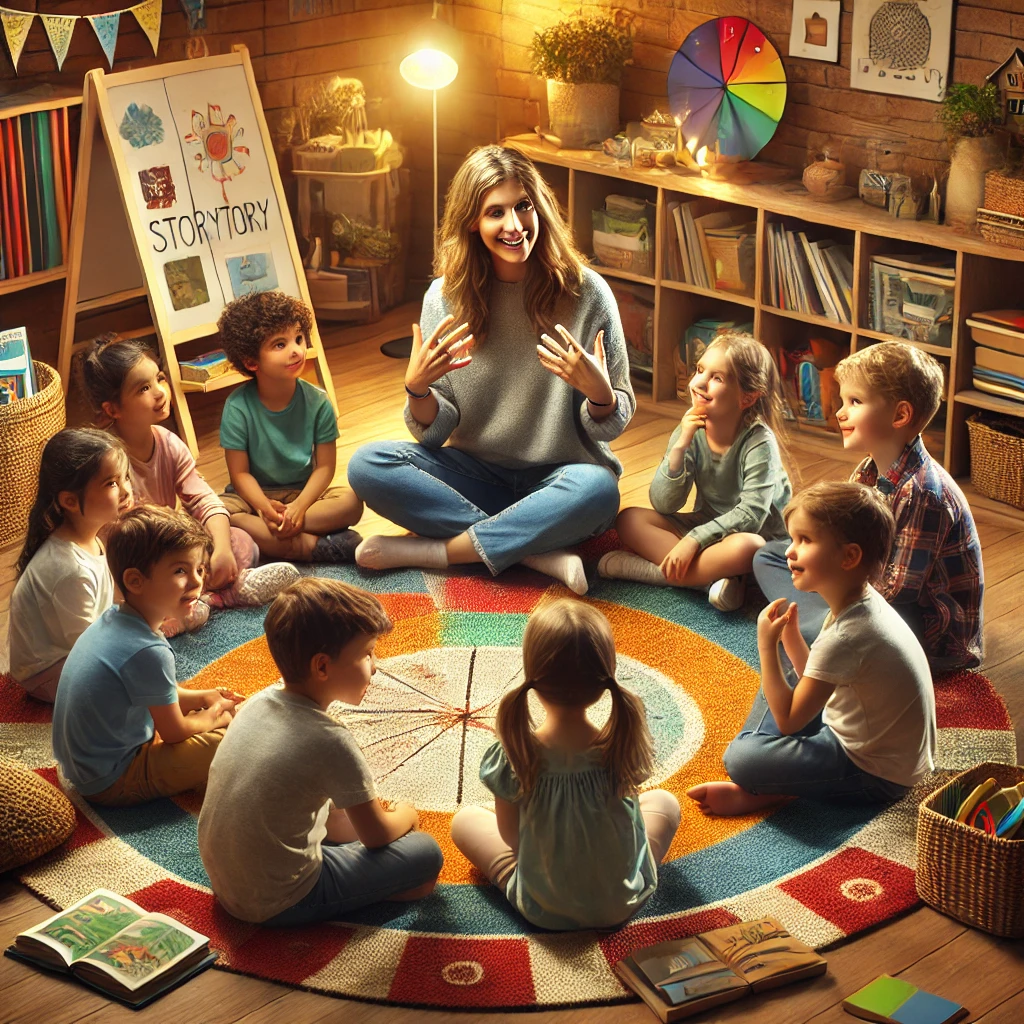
(278, 433)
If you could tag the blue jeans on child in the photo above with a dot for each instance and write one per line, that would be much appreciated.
(508, 513)
(354, 876)
(810, 763)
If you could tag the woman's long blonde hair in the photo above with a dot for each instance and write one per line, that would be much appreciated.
(569, 659)
(555, 267)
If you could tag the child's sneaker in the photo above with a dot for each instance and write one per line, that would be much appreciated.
(727, 595)
(194, 620)
(337, 548)
(254, 587)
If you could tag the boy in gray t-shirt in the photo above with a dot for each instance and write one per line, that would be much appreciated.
(291, 831)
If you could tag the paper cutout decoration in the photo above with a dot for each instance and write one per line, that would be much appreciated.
(105, 26)
(16, 26)
(148, 16)
(186, 283)
(59, 29)
(217, 139)
(140, 127)
(251, 274)
(195, 11)
(157, 188)
(727, 86)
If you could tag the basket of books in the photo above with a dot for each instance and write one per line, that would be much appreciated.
(970, 849)
(997, 458)
(33, 414)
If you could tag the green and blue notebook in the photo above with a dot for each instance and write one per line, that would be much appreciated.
(895, 1001)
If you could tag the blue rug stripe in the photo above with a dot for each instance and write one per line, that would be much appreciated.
(392, 581)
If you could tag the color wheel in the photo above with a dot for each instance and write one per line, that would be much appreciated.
(727, 86)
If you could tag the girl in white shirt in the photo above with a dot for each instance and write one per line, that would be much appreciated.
(63, 580)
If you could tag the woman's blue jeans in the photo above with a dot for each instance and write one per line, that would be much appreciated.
(508, 513)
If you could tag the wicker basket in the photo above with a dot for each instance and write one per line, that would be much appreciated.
(1006, 195)
(997, 462)
(965, 873)
(25, 427)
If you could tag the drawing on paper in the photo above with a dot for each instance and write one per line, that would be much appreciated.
(217, 140)
(157, 188)
(901, 47)
(814, 31)
(141, 127)
(186, 282)
(252, 273)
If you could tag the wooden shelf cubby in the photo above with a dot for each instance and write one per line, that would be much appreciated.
(988, 276)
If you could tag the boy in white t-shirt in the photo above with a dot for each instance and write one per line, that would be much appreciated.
(860, 723)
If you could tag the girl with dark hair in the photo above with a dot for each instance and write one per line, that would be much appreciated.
(63, 581)
(522, 382)
(570, 841)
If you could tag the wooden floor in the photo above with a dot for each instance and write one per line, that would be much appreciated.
(923, 947)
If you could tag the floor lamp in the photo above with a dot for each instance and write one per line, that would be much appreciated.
(425, 68)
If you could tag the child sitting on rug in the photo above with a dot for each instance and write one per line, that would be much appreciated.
(64, 584)
(118, 688)
(860, 723)
(278, 433)
(291, 831)
(727, 445)
(124, 383)
(570, 842)
(933, 577)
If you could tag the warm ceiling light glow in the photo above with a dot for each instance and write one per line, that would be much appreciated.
(428, 69)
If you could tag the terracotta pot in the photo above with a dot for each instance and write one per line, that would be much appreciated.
(582, 114)
(965, 191)
(823, 177)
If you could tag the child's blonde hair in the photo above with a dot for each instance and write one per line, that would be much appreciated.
(901, 373)
(569, 659)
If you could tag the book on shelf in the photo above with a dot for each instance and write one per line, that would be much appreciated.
(895, 1001)
(114, 946)
(685, 976)
(17, 375)
(912, 301)
(205, 367)
(992, 335)
(807, 275)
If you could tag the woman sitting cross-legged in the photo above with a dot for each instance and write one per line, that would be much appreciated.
(523, 373)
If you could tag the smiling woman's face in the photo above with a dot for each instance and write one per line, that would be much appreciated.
(508, 225)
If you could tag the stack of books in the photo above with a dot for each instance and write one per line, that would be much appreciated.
(912, 296)
(806, 276)
(17, 375)
(35, 191)
(999, 352)
(715, 250)
(623, 234)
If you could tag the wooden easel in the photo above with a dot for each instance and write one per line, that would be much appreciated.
(111, 257)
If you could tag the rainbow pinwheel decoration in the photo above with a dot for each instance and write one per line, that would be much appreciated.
(727, 87)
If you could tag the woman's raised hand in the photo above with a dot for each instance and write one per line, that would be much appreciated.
(576, 366)
(447, 349)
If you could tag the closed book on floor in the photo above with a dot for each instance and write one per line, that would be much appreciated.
(895, 1001)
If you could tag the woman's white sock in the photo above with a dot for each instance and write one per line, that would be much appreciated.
(624, 565)
(401, 553)
(564, 566)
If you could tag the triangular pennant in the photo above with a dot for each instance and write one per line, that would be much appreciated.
(195, 10)
(105, 27)
(59, 28)
(16, 26)
(148, 16)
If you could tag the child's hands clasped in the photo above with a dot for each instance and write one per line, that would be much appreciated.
(774, 622)
(586, 373)
(447, 349)
(676, 563)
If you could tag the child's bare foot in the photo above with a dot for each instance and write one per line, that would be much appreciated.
(726, 799)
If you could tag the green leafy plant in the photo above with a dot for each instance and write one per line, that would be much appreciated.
(583, 51)
(970, 111)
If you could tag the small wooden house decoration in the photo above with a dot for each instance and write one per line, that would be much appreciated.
(1008, 78)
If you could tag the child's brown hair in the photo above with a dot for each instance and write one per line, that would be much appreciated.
(569, 659)
(318, 616)
(144, 534)
(902, 373)
(248, 321)
(853, 514)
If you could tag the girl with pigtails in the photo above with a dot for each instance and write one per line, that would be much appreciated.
(570, 841)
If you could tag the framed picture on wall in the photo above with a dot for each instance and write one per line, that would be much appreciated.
(815, 29)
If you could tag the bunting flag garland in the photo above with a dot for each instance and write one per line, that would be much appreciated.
(16, 25)
(58, 30)
(148, 15)
(105, 27)
(195, 11)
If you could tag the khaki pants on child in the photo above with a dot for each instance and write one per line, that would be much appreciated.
(163, 769)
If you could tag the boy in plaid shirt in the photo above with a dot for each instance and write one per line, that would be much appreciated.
(934, 579)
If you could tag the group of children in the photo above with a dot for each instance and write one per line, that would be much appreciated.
(881, 579)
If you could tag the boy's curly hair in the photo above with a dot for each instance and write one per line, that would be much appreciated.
(247, 322)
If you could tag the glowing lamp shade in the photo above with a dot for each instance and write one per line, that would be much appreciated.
(428, 69)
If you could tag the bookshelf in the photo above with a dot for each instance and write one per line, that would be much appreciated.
(987, 276)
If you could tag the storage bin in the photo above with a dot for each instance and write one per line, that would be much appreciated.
(964, 872)
(997, 462)
(25, 427)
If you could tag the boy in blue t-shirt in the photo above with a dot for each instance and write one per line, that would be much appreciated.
(278, 433)
(118, 686)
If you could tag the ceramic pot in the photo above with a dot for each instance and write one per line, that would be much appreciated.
(965, 190)
(582, 114)
(824, 176)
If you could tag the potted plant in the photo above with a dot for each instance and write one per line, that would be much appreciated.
(582, 60)
(970, 114)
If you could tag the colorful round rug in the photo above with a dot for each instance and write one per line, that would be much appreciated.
(826, 870)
